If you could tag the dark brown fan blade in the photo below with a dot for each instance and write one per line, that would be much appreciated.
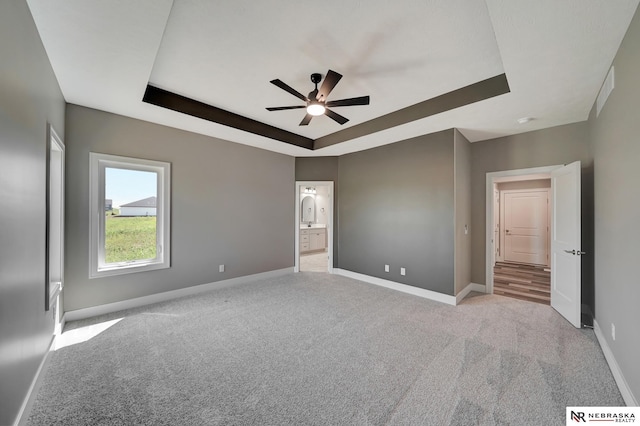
(307, 118)
(335, 117)
(289, 89)
(285, 107)
(362, 100)
(328, 84)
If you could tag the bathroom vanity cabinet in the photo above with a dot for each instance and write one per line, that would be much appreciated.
(313, 239)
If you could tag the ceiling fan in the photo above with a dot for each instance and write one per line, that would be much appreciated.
(316, 102)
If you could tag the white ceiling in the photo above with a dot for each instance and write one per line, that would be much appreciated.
(555, 55)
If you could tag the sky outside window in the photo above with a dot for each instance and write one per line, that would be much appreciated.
(124, 186)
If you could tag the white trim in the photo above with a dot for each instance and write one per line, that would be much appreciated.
(93, 311)
(57, 144)
(416, 291)
(54, 291)
(481, 288)
(30, 397)
(330, 233)
(624, 388)
(491, 178)
(98, 163)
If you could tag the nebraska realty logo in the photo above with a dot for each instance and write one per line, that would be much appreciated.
(602, 414)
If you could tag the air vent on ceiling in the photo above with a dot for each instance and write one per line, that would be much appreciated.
(605, 91)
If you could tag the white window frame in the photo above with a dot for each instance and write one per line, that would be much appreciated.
(97, 265)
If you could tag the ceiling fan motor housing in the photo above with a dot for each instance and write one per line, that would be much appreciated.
(315, 79)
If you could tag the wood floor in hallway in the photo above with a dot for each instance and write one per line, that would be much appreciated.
(520, 281)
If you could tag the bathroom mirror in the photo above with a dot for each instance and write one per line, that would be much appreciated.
(308, 209)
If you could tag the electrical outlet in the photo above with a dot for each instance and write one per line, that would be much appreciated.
(613, 331)
(386, 268)
(403, 271)
(221, 268)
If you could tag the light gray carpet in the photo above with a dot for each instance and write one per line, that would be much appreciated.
(319, 349)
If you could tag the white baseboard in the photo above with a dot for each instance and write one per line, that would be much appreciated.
(29, 399)
(416, 291)
(628, 396)
(481, 288)
(168, 295)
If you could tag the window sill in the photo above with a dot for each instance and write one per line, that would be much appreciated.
(127, 269)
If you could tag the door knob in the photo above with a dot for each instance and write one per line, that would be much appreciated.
(574, 252)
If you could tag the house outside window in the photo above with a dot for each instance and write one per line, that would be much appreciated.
(130, 208)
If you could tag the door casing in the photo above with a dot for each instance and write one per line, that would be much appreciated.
(55, 198)
(491, 179)
(330, 233)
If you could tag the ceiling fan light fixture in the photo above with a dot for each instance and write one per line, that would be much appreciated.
(315, 108)
(316, 103)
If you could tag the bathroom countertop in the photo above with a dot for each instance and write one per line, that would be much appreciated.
(313, 226)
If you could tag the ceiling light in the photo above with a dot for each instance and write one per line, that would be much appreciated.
(525, 120)
(315, 108)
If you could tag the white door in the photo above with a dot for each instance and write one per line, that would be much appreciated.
(525, 225)
(565, 242)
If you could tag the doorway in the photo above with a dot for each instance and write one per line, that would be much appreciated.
(564, 233)
(521, 238)
(314, 226)
(496, 237)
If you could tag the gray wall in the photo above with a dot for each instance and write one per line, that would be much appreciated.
(322, 168)
(616, 151)
(231, 204)
(29, 98)
(556, 145)
(317, 168)
(462, 165)
(397, 208)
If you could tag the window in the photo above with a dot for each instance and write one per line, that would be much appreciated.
(130, 207)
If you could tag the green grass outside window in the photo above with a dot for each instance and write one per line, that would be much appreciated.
(130, 238)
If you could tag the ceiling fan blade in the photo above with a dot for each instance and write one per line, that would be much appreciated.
(328, 84)
(307, 118)
(285, 107)
(362, 100)
(335, 117)
(289, 89)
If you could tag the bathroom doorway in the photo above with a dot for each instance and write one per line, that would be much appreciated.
(314, 226)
